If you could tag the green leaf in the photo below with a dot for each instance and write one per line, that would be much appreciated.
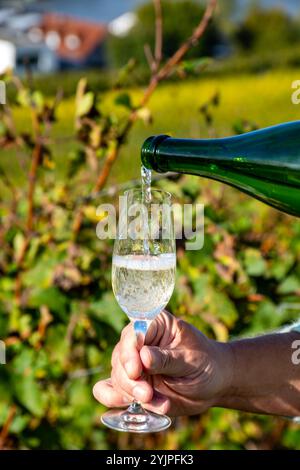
(5, 392)
(125, 72)
(94, 356)
(3, 324)
(3, 131)
(38, 100)
(194, 67)
(224, 308)
(55, 300)
(57, 344)
(79, 394)
(191, 186)
(27, 98)
(124, 99)
(19, 242)
(23, 97)
(85, 104)
(41, 274)
(26, 388)
(212, 300)
(255, 265)
(30, 395)
(290, 285)
(266, 318)
(79, 397)
(281, 266)
(108, 311)
(19, 424)
(76, 159)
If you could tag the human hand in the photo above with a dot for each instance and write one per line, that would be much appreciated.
(186, 372)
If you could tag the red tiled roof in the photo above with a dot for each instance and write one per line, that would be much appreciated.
(90, 34)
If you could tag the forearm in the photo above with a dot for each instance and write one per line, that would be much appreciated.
(263, 377)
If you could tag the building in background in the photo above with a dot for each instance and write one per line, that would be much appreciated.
(48, 42)
(75, 43)
(19, 53)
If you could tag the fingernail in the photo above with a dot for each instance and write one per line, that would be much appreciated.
(139, 393)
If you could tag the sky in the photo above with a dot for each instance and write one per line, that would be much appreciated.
(293, 6)
(106, 10)
(99, 10)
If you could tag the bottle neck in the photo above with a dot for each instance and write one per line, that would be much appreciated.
(163, 153)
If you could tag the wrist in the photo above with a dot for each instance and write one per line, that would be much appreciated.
(225, 367)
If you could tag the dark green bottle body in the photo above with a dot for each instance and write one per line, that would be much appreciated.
(264, 164)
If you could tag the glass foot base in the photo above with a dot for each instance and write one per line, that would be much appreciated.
(124, 421)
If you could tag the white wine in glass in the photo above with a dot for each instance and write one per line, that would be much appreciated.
(143, 279)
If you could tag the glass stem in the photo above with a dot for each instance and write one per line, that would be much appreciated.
(135, 414)
(140, 329)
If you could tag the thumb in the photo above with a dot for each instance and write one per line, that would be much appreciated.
(163, 361)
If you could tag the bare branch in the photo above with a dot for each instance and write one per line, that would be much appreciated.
(149, 56)
(35, 163)
(165, 71)
(191, 41)
(6, 426)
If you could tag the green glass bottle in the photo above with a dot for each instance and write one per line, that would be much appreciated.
(264, 164)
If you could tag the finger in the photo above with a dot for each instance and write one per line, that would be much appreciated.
(158, 327)
(159, 404)
(177, 404)
(105, 393)
(163, 361)
(128, 348)
(140, 389)
(129, 355)
(115, 355)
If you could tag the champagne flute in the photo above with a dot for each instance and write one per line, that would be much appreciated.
(143, 279)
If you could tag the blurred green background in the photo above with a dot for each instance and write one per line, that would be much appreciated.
(58, 316)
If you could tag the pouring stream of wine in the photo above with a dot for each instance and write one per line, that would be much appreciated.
(146, 199)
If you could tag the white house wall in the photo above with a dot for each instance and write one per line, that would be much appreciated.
(7, 55)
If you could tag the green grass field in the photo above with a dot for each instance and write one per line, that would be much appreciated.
(264, 99)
